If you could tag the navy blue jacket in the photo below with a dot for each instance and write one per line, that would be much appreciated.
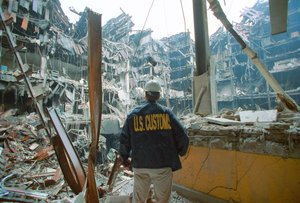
(154, 137)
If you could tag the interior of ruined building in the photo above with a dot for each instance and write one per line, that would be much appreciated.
(249, 119)
(238, 81)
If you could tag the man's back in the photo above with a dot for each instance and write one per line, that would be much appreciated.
(154, 135)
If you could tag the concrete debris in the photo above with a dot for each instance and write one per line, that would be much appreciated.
(222, 121)
(55, 61)
(28, 153)
(276, 138)
(31, 158)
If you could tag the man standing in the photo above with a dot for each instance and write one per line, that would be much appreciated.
(154, 137)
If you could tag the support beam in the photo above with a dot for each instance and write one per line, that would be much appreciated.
(95, 99)
(203, 103)
(202, 95)
(201, 37)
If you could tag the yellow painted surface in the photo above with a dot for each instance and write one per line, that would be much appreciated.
(239, 176)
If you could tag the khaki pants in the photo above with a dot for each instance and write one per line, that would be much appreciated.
(161, 180)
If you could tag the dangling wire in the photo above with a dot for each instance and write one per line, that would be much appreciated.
(147, 15)
(140, 35)
(183, 15)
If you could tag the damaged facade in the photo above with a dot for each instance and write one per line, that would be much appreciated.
(53, 58)
(239, 83)
(54, 53)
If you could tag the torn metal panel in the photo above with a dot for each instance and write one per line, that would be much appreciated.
(95, 78)
(95, 95)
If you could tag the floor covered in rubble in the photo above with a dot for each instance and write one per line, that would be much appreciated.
(55, 57)
(29, 169)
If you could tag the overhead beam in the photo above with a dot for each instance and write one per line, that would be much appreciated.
(201, 37)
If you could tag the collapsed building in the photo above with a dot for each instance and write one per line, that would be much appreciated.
(44, 66)
(239, 83)
(233, 156)
(56, 53)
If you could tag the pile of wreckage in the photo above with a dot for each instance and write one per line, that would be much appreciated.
(44, 91)
(30, 170)
(53, 61)
(263, 131)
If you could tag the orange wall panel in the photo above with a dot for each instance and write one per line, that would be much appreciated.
(239, 176)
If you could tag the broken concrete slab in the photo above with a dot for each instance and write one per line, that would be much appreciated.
(273, 125)
(258, 116)
(223, 121)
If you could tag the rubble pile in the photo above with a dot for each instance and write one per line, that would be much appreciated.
(28, 161)
(53, 60)
(279, 135)
(55, 56)
(29, 169)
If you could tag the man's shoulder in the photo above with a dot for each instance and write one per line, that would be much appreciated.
(137, 109)
(164, 108)
(145, 107)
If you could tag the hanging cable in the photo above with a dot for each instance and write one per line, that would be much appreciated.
(140, 35)
(183, 15)
(147, 15)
